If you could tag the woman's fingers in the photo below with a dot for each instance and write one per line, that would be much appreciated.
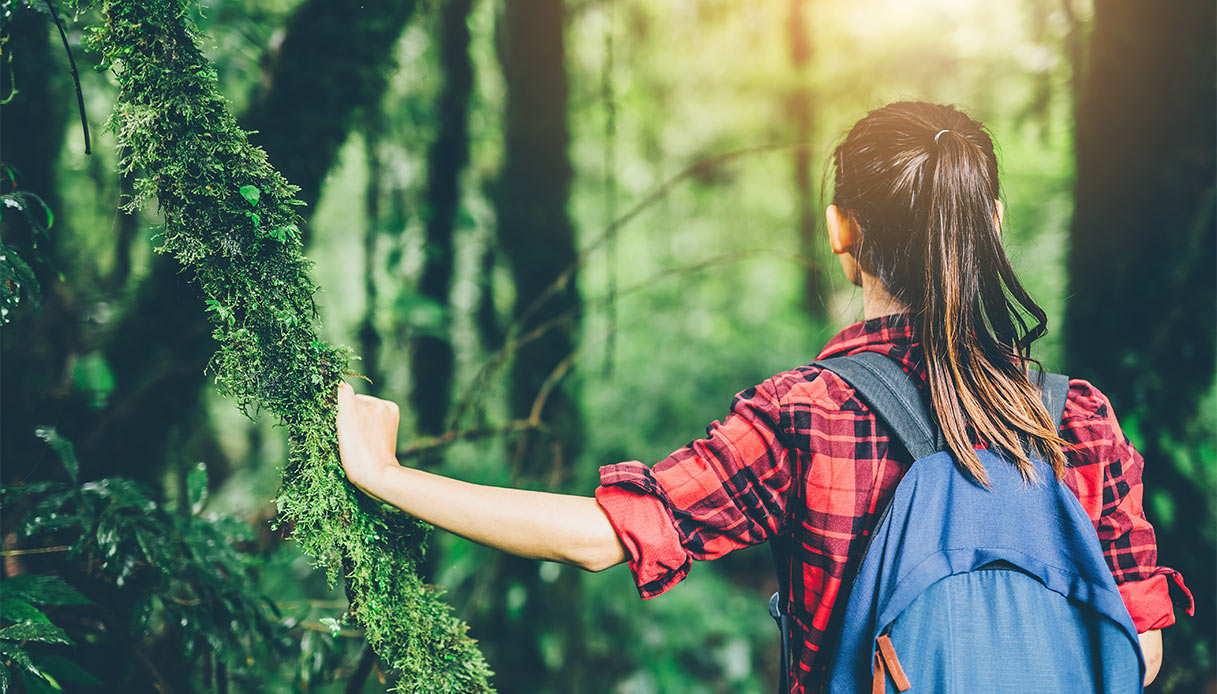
(351, 447)
(347, 404)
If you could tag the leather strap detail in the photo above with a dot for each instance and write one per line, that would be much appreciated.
(878, 683)
(887, 654)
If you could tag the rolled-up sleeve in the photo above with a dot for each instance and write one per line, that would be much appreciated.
(713, 496)
(1114, 489)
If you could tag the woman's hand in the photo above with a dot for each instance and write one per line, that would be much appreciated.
(558, 527)
(1151, 649)
(367, 438)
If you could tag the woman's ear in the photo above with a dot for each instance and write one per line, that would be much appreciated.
(843, 236)
(842, 230)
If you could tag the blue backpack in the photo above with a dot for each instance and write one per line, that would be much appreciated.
(963, 589)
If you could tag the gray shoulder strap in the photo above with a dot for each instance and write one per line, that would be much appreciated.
(1054, 391)
(889, 392)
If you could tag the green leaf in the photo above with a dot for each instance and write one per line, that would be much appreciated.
(45, 684)
(21, 658)
(42, 590)
(256, 218)
(68, 671)
(222, 311)
(4, 677)
(35, 631)
(18, 655)
(50, 216)
(251, 194)
(27, 489)
(120, 493)
(196, 487)
(333, 624)
(62, 447)
(17, 610)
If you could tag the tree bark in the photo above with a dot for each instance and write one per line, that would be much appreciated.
(332, 63)
(369, 334)
(432, 355)
(537, 237)
(534, 231)
(1142, 245)
(801, 109)
(1139, 319)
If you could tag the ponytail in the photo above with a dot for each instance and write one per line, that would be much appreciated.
(921, 181)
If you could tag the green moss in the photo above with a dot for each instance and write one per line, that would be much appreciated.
(231, 221)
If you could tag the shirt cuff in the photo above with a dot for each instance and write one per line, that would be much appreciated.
(1151, 602)
(637, 509)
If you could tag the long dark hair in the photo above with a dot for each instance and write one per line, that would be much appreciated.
(920, 180)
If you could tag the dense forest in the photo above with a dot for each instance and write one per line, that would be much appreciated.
(562, 234)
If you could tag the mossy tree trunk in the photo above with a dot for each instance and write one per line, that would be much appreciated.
(231, 221)
(536, 236)
(1142, 250)
(334, 58)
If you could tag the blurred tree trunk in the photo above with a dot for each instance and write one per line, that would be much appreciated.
(39, 346)
(538, 239)
(431, 358)
(330, 66)
(801, 109)
(333, 63)
(369, 334)
(1141, 293)
(128, 232)
(534, 231)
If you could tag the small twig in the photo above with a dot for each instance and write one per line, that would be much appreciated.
(551, 382)
(80, 99)
(349, 633)
(563, 279)
(320, 604)
(423, 445)
(515, 342)
(698, 167)
(358, 375)
(538, 405)
(36, 550)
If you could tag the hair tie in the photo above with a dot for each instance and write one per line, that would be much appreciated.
(940, 132)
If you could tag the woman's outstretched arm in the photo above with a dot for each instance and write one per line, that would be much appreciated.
(556, 527)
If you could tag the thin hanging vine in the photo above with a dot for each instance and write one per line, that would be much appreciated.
(230, 220)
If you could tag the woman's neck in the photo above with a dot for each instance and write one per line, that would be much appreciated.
(876, 301)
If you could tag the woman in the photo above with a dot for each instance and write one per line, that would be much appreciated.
(915, 222)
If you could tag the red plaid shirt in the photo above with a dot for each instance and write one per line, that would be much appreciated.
(800, 455)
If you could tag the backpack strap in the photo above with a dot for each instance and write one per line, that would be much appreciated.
(890, 393)
(1054, 391)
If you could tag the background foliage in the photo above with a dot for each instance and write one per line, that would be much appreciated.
(562, 234)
